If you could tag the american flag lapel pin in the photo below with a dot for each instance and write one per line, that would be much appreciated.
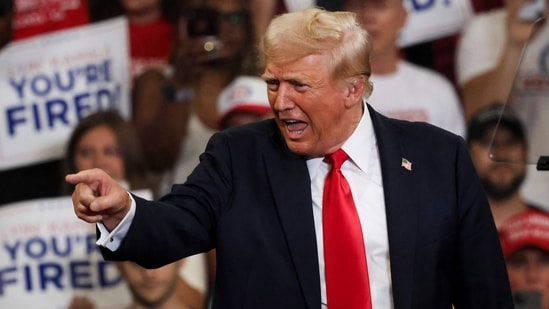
(406, 164)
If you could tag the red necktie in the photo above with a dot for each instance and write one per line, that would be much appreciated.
(347, 284)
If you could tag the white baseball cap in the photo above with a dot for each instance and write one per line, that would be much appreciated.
(244, 94)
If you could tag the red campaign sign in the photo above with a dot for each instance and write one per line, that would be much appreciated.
(34, 17)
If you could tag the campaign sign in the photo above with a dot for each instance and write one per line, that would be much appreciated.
(34, 17)
(433, 19)
(48, 256)
(48, 83)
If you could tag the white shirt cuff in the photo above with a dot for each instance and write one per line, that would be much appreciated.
(112, 240)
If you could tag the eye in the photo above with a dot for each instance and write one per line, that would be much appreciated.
(544, 259)
(85, 152)
(485, 142)
(300, 87)
(517, 261)
(272, 84)
(235, 18)
(112, 151)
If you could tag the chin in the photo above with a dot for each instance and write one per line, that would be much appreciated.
(298, 148)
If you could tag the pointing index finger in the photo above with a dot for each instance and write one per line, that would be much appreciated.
(86, 176)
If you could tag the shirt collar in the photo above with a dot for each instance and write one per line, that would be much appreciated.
(356, 146)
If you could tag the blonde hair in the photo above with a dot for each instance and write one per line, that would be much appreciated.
(292, 36)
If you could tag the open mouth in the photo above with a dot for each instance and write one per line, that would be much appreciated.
(295, 128)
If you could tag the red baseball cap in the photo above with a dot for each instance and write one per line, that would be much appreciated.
(529, 228)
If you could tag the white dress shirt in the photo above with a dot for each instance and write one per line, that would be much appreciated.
(363, 173)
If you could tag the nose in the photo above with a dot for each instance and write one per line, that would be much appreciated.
(499, 151)
(282, 100)
(533, 272)
(99, 159)
(147, 273)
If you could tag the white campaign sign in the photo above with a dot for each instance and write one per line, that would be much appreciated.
(49, 82)
(48, 256)
(433, 19)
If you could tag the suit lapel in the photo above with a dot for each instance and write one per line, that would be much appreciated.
(401, 208)
(291, 187)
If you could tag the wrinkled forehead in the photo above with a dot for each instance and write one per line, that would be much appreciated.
(309, 65)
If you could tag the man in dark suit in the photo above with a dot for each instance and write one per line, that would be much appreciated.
(257, 195)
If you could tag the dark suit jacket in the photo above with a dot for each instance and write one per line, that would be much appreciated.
(250, 198)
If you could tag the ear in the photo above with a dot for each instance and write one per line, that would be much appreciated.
(355, 91)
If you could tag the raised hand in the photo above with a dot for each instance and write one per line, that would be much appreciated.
(99, 198)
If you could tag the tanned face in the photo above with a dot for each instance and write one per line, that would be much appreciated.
(314, 112)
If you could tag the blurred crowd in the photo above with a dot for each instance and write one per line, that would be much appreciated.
(193, 71)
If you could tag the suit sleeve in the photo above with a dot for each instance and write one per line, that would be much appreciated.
(183, 222)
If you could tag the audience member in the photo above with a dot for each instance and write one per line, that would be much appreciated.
(243, 101)
(159, 288)
(257, 195)
(107, 141)
(151, 26)
(498, 146)
(404, 90)
(176, 114)
(151, 31)
(439, 54)
(488, 53)
(525, 243)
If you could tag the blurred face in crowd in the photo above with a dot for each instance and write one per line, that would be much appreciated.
(500, 180)
(233, 21)
(150, 287)
(528, 270)
(230, 33)
(383, 19)
(314, 112)
(98, 148)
